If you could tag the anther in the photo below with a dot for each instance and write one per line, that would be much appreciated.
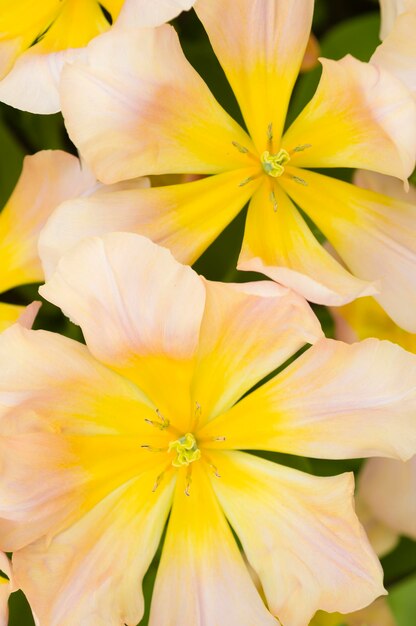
(219, 438)
(301, 148)
(188, 482)
(273, 201)
(157, 482)
(162, 425)
(239, 147)
(270, 132)
(246, 181)
(215, 470)
(151, 448)
(273, 164)
(300, 181)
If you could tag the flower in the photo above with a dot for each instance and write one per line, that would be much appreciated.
(101, 442)
(47, 179)
(390, 11)
(134, 106)
(36, 43)
(378, 614)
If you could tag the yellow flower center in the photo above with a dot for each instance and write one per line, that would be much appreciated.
(273, 164)
(186, 450)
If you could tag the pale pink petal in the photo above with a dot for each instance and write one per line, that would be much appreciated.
(92, 572)
(47, 179)
(260, 44)
(150, 13)
(202, 577)
(300, 534)
(247, 331)
(382, 538)
(29, 314)
(386, 185)
(135, 106)
(388, 488)
(140, 314)
(335, 401)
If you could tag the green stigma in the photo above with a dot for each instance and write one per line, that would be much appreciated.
(186, 450)
(273, 164)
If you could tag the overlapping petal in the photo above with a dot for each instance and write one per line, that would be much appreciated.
(388, 488)
(5, 589)
(128, 113)
(141, 314)
(333, 566)
(48, 178)
(365, 227)
(279, 243)
(377, 614)
(260, 45)
(241, 345)
(361, 116)
(390, 10)
(185, 218)
(202, 557)
(149, 13)
(335, 401)
(92, 572)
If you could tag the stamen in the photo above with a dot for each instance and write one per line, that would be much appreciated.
(219, 439)
(273, 201)
(162, 425)
(158, 481)
(186, 450)
(246, 180)
(239, 147)
(215, 470)
(188, 481)
(273, 164)
(152, 449)
(301, 181)
(301, 148)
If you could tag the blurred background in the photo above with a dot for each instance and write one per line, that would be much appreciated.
(341, 27)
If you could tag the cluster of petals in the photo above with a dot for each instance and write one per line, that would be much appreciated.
(90, 434)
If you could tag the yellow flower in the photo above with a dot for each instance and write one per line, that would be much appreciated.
(100, 443)
(135, 106)
(47, 179)
(37, 38)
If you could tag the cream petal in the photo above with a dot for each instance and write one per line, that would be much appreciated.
(365, 227)
(382, 538)
(47, 179)
(388, 488)
(185, 218)
(361, 116)
(335, 401)
(141, 314)
(390, 10)
(386, 185)
(247, 331)
(261, 45)
(304, 540)
(148, 13)
(5, 589)
(202, 576)
(92, 572)
(129, 115)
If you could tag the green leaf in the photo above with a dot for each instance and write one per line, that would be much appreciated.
(402, 600)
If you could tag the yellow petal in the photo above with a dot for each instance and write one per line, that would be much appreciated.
(365, 227)
(202, 576)
(335, 401)
(360, 116)
(141, 314)
(260, 45)
(300, 534)
(278, 243)
(247, 331)
(9, 314)
(92, 572)
(185, 218)
(48, 178)
(135, 106)
(58, 430)
(388, 488)
(397, 53)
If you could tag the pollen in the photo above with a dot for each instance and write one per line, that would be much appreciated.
(273, 164)
(186, 450)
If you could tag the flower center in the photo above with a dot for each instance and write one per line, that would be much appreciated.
(186, 450)
(273, 164)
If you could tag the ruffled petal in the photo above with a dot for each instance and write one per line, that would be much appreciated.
(148, 13)
(397, 53)
(360, 116)
(92, 572)
(135, 106)
(202, 576)
(335, 401)
(47, 179)
(58, 428)
(185, 218)
(260, 45)
(304, 540)
(365, 227)
(390, 10)
(141, 314)
(279, 243)
(248, 330)
(388, 488)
